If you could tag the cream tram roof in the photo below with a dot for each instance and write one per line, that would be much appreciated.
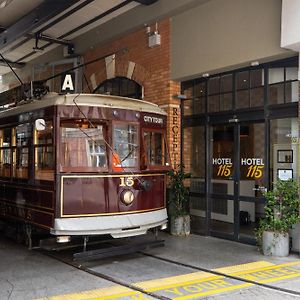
(99, 100)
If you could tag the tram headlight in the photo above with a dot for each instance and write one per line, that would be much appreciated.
(127, 197)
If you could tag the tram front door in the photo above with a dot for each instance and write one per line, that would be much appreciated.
(236, 179)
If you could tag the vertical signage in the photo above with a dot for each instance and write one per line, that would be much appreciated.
(175, 131)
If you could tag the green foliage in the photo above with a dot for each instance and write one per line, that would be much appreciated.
(281, 209)
(178, 199)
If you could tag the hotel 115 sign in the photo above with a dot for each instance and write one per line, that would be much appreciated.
(255, 167)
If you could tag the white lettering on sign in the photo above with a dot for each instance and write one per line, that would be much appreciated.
(222, 161)
(252, 161)
(155, 120)
(68, 83)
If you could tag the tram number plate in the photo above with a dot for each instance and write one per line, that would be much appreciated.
(126, 181)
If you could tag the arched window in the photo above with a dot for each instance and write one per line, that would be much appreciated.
(120, 86)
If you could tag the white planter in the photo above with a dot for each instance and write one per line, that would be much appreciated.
(275, 243)
(180, 225)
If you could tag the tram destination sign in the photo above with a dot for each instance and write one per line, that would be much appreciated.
(153, 120)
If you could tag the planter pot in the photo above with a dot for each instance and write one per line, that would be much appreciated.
(275, 243)
(180, 226)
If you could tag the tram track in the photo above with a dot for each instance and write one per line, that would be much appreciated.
(82, 267)
(217, 273)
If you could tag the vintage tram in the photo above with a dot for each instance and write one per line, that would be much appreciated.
(82, 165)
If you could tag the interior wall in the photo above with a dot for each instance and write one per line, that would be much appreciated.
(225, 34)
(290, 34)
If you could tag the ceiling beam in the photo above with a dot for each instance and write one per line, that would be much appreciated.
(91, 21)
(49, 25)
(37, 17)
(46, 38)
(146, 2)
(16, 65)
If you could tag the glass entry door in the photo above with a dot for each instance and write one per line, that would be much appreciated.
(221, 199)
(236, 179)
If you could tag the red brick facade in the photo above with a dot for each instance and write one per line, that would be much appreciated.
(151, 70)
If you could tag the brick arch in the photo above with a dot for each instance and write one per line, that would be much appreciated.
(140, 74)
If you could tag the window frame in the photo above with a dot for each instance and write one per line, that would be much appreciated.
(69, 169)
(45, 174)
(18, 170)
(117, 84)
(144, 152)
(124, 168)
(2, 149)
(252, 91)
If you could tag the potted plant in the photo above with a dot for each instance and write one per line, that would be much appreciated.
(281, 213)
(178, 202)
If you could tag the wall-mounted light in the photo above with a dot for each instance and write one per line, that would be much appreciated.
(254, 63)
(205, 75)
(154, 38)
(234, 119)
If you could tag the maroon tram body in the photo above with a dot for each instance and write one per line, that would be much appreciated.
(80, 165)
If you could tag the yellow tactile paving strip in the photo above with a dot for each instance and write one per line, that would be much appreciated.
(196, 284)
(193, 277)
(271, 273)
(113, 292)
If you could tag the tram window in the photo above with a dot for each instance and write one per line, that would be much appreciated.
(44, 163)
(82, 146)
(43, 152)
(44, 136)
(23, 134)
(5, 152)
(20, 162)
(155, 146)
(5, 137)
(125, 143)
(5, 162)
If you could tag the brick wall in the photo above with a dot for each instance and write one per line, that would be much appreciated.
(151, 70)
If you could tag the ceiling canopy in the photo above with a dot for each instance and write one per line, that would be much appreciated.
(31, 28)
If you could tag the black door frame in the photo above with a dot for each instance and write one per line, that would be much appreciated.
(236, 123)
(265, 113)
